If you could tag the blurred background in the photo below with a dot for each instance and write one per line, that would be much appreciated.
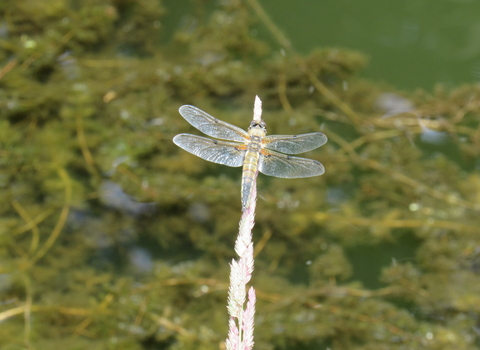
(111, 237)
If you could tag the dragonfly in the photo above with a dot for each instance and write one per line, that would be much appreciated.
(251, 149)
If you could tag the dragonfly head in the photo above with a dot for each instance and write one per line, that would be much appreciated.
(258, 125)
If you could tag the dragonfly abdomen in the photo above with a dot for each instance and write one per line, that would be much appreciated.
(250, 169)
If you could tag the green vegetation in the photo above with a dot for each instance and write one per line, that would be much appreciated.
(381, 252)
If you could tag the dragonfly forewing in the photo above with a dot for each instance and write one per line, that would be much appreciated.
(295, 144)
(280, 165)
(220, 152)
(211, 126)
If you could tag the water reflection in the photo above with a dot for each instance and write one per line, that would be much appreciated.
(393, 104)
(113, 196)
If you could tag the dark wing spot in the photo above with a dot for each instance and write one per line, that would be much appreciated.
(295, 136)
(289, 157)
(215, 142)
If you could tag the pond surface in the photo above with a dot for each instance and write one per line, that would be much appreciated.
(411, 44)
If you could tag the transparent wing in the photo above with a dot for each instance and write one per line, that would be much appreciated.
(280, 165)
(211, 126)
(294, 144)
(221, 152)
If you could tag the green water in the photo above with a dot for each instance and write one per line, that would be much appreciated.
(111, 237)
(411, 44)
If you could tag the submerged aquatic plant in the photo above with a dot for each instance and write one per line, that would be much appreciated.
(388, 259)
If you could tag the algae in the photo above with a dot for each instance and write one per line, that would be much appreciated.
(89, 93)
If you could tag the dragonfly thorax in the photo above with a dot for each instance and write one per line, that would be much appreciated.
(257, 132)
(256, 138)
(255, 144)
